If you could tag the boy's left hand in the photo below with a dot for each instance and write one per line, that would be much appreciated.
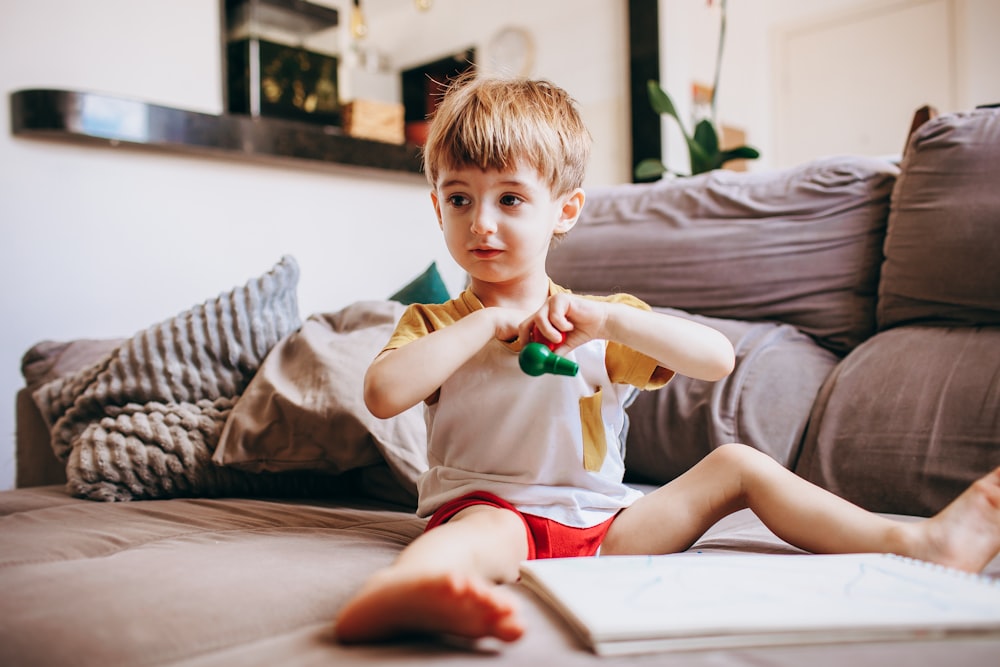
(580, 319)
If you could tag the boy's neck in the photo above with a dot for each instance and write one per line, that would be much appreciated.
(520, 294)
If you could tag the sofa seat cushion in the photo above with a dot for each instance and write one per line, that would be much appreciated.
(765, 402)
(942, 249)
(161, 582)
(800, 246)
(908, 420)
(249, 582)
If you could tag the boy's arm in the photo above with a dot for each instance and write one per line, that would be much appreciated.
(684, 346)
(400, 378)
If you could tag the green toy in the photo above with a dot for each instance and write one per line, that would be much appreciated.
(537, 358)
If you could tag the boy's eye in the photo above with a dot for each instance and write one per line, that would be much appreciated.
(510, 200)
(458, 200)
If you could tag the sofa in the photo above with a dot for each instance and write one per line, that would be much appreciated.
(210, 490)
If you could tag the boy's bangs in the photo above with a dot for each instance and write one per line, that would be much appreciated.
(485, 143)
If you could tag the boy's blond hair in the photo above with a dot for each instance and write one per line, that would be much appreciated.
(493, 122)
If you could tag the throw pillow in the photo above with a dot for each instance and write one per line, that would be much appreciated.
(144, 420)
(765, 402)
(428, 287)
(942, 248)
(908, 420)
(304, 409)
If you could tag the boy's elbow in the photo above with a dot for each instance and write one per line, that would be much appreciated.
(377, 408)
(376, 400)
(724, 366)
(721, 362)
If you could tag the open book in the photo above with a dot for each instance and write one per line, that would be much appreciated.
(637, 604)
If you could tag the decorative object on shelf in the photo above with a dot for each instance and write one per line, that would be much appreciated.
(423, 87)
(511, 51)
(282, 60)
(379, 121)
(703, 144)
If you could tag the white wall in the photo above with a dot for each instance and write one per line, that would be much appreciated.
(688, 34)
(102, 242)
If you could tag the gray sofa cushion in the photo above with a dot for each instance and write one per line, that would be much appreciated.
(908, 420)
(942, 248)
(765, 402)
(800, 246)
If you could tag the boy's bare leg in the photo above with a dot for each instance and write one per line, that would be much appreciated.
(445, 582)
(965, 535)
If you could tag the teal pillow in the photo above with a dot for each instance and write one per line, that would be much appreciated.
(425, 288)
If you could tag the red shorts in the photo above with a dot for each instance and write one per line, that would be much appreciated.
(546, 538)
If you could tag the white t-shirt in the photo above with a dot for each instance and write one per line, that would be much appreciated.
(552, 446)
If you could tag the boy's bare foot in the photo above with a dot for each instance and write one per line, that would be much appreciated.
(393, 604)
(965, 534)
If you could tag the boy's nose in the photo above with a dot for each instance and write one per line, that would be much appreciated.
(484, 221)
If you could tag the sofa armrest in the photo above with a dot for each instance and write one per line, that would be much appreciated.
(37, 464)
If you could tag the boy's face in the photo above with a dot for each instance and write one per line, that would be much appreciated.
(498, 225)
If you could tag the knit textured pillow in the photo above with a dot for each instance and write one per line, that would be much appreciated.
(144, 421)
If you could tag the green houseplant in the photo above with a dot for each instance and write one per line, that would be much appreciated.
(703, 144)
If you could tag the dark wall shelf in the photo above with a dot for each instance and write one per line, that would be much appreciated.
(109, 120)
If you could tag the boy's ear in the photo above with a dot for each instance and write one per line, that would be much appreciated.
(570, 213)
(437, 208)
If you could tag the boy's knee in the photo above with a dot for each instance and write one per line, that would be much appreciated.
(743, 457)
(734, 450)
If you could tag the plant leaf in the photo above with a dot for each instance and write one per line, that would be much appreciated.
(739, 153)
(700, 160)
(662, 104)
(649, 169)
(706, 137)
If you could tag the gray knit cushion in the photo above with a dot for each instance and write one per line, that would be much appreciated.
(144, 420)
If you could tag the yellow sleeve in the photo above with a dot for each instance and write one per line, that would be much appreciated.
(627, 366)
(420, 319)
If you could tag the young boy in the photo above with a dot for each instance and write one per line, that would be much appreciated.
(531, 467)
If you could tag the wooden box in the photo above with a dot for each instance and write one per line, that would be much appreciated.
(380, 121)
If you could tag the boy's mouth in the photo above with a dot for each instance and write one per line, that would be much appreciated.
(486, 253)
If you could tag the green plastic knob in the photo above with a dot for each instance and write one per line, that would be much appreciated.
(536, 359)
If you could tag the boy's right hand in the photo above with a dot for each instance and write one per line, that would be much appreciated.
(506, 322)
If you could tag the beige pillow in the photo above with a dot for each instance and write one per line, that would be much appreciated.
(304, 409)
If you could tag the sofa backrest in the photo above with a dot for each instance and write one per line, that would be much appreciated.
(801, 246)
